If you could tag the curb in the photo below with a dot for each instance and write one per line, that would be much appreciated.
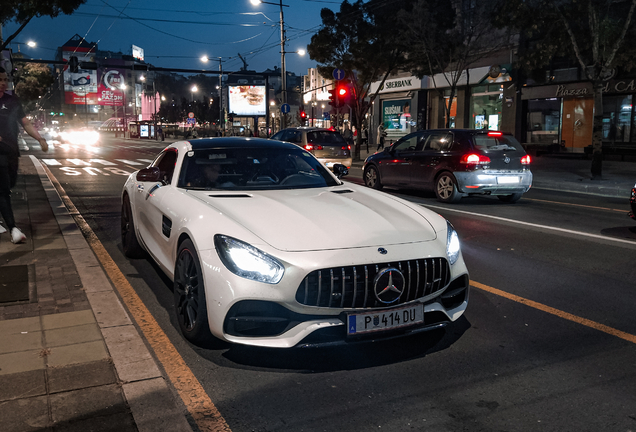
(151, 401)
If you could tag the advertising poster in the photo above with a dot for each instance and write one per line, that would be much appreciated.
(396, 116)
(109, 91)
(80, 88)
(247, 100)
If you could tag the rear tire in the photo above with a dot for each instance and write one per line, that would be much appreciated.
(129, 242)
(510, 198)
(372, 178)
(446, 188)
(189, 295)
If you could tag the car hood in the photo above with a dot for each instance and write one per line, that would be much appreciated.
(321, 219)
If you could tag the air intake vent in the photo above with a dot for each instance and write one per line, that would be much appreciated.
(342, 191)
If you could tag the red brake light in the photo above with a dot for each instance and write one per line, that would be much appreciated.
(309, 147)
(495, 133)
(347, 147)
(318, 147)
(474, 159)
(526, 160)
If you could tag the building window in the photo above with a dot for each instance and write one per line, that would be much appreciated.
(486, 102)
(544, 117)
(618, 119)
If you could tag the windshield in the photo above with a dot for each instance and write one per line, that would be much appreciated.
(253, 169)
(487, 142)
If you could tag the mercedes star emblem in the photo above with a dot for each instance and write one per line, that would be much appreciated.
(382, 251)
(389, 285)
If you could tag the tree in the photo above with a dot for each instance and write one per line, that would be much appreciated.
(22, 11)
(32, 80)
(363, 40)
(448, 37)
(592, 33)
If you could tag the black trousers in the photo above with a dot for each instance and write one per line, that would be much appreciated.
(8, 177)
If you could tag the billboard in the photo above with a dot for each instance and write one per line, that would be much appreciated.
(246, 100)
(138, 53)
(109, 91)
(80, 88)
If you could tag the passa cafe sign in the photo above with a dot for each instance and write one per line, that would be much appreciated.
(581, 89)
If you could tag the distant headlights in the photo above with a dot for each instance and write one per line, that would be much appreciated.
(452, 244)
(247, 261)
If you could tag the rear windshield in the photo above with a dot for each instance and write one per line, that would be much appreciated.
(486, 142)
(325, 137)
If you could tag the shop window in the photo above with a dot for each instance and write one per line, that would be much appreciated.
(487, 102)
(544, 118)
(618, 118)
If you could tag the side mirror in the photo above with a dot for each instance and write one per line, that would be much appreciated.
(152, 174)
(340, 170)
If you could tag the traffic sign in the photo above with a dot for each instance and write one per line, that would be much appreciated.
(191, 115)
(285, 108)
(338, 74)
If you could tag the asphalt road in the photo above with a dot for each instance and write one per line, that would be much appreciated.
(548, 342)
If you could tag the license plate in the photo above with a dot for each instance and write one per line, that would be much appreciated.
(384, 320)
(507, 180)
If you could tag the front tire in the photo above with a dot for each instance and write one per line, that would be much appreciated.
(372, 178)
(510, 198)
(189, 295)
(446, 188)
(129, 242)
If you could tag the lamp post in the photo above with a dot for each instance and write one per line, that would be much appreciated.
(123, 92)
(193, 90)
(205, 59)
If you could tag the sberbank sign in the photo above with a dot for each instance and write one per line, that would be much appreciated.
(390, 85)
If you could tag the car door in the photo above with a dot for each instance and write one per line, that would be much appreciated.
(395, 168)
(427, 162)
(155, 222)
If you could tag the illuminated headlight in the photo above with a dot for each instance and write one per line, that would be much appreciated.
(247, 261)
(452, 244)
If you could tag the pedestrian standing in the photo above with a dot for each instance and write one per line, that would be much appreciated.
(11, 114)
(381, 134)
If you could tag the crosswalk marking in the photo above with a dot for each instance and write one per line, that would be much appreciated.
(51, 162)
(77, 167)
(129, 162)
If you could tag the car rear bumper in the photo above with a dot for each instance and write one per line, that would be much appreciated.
(329, 162)
(494, 182)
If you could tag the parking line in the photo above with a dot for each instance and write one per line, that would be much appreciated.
(576, 205)
(194, 396)
(561, 314)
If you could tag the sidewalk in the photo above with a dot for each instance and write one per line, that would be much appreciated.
(70, 357)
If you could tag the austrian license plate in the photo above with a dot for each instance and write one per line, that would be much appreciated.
(367, 322)
(508, 180)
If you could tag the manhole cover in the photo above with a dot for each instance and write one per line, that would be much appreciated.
(14, 283)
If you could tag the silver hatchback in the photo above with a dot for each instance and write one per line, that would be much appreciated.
(328, 146)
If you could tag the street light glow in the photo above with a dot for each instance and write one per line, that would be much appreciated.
(301, 52)
(255, 2)
(31, 44)
(205, 59)
(194, 89)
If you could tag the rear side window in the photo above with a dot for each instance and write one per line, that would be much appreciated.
(487, 142)
(439, 141)
(325, 138)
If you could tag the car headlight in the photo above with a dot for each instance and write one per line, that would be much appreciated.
(247, 261)
(452, 244)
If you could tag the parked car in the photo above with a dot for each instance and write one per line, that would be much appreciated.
(632, 203)
(454, 163)
(328, 146)
(243, 227)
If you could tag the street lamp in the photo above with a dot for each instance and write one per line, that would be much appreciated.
(193, 90)
(123, 107)
(205, 59)
(29, 44)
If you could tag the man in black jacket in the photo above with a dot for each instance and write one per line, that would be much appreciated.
(11, 114)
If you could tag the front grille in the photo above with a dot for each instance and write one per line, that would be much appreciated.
(352, 286)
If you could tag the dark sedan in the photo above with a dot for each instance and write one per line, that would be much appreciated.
(454, 163)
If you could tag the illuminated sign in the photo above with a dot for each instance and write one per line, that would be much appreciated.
(138, 53)
(247, 100)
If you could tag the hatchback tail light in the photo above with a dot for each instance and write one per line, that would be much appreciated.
(309, 147)
(495, 133)
(474, 159)
(348, 147)
(526, 160)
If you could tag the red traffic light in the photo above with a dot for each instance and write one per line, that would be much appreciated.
(342, 91)
(303, 114)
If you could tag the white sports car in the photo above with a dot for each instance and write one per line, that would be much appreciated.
(267, 247)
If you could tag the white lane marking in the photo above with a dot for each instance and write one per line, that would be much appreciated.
(129, 162)
(78, 162)
(51, 162)
(71, 171)
(118, 171)
(94, 171)
(103, 162)
(563, 230)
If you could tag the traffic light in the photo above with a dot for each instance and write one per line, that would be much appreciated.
(332, 97)
(73, 64)
(303, 117)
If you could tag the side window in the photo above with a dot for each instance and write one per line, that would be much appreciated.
(408, 143)
(293, 136)
(166, 164)
(439, 141)
(278, 136)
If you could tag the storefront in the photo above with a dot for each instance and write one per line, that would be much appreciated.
(400, 107)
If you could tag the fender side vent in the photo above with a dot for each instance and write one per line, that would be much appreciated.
(342, 191)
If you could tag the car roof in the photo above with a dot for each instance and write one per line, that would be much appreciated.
(237, 142)
(309, 129)
(469, 131)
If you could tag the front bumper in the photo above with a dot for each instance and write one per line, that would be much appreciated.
(494, 182)
(252, 313)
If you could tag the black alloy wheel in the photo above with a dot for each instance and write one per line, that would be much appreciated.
(372, 177)
(446, 188)
(129, 242)
(189, 295)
